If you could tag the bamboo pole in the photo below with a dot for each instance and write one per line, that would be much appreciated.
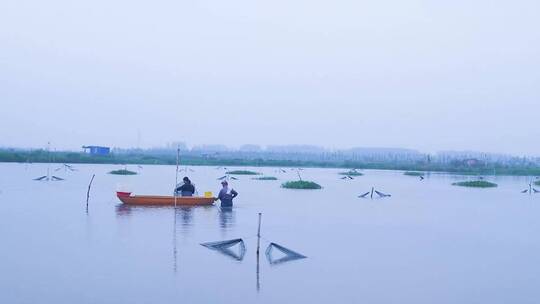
(259, 234)
(176, 180)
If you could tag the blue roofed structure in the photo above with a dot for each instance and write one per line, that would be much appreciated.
(97, 150)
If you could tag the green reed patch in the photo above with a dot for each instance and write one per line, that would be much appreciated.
(352, 173)
(122, 172)
(301, 185)
(242, 172)
(265, 178)
(413, 173)
(476, 184)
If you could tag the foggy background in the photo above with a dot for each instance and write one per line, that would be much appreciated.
(428, 75)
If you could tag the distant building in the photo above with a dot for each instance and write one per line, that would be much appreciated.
(97, 150)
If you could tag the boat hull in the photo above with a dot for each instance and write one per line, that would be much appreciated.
(165, 200)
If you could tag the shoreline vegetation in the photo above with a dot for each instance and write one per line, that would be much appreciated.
(304, 185)
(265, 178)
(476, 184)
(42, 156)
(351, 173)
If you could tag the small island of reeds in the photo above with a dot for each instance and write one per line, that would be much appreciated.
(537, 183)
(265, 178)
(122, 172)
(301, 185)
(413, 173)
(351, 173)
(476, 184)
(242, 172)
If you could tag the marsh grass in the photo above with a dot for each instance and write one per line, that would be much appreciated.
(122, 172)
(352, 173)
(476, 184)
(537, 183)
(301, 185)
(265, 178)
(242, 172)
(413, 173)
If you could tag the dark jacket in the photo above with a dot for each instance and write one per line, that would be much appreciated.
(186, 190)
(227, 198)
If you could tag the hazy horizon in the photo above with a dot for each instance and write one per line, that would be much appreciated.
(420, 75)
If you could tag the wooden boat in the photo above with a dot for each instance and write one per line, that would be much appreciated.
(129, 199)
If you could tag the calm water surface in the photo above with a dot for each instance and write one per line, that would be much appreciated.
(429, 243)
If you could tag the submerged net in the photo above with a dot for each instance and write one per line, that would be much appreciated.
(290, 255)
(382, 194)
(226, 248)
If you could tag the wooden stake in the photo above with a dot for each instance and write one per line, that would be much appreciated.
(88, 192)
(372, 188)
(258, 249)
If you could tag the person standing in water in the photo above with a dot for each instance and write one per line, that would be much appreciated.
(226, 195)
(186, 189)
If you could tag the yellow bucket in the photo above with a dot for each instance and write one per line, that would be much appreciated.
(208, 194)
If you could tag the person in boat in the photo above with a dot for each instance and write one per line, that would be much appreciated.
(186, 189)
(226, 195)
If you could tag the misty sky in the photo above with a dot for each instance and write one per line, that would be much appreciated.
(429, 75)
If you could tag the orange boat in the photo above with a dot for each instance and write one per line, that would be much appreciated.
(129, 199)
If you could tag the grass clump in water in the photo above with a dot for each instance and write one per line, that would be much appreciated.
(265, 178)
(301, 185)
(242, 172)
(476, 184)
(413, 173)
(352, 173)
(122, 172)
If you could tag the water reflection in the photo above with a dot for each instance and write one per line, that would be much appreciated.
(226, 217)
(123, 210)
(175, 250)
(258, 273)
(185, 214)
(183, 221)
